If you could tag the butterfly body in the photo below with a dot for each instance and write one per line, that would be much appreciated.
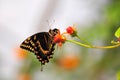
(41, 44)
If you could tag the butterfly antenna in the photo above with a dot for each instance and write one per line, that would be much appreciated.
(48, 22)
(52, 23)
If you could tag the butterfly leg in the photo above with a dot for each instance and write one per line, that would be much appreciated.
(41, 67)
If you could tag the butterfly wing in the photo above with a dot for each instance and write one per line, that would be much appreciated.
(41, 45)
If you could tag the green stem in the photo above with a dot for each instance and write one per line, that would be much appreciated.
(83, 40)
(81, 44)
(89, 46)
(107, 47)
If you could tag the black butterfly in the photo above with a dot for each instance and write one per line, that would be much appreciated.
(41, 44)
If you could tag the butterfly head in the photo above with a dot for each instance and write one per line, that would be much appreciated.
(55, 31)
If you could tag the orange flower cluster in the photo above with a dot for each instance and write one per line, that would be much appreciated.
(119, 39)
(20, 53)
(24, 77)
(69, 62)
(60, 38)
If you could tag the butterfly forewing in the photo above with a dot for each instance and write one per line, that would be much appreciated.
(39, 44)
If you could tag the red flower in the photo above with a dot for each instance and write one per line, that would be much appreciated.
(71, 30)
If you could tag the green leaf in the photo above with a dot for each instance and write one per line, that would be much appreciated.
(117, 33)
(118, 75)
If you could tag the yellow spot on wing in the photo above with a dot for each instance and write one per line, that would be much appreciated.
(35, 37)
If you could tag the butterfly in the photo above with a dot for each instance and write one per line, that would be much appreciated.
(41, 44)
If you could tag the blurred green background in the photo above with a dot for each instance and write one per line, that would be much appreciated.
(96, 20)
